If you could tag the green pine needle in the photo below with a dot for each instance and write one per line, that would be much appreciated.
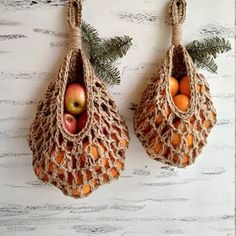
(107, 72)
(211, 46)
(116, 48)
(204, 52)
(103, 53)
(208, 63)
(91, 39)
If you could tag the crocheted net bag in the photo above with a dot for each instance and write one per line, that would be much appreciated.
(78, 163)
(168, 134)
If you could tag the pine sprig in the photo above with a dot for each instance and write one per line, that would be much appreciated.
(204, 52)
(91, 39)
(206, 62)
(116, 48)
(107, 72)
(103, 53)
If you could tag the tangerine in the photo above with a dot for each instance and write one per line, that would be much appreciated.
(176, 139)
(174, 86)
(75, 192)
(189, 140)
(184, 86)
(60, 157)
(79, 178)
(86, 189)
(181, 102)
(113, 172)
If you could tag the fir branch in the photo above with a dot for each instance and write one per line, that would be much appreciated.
(103, 53)
(205, 62)
(115, 48)
(210, 46)
(107, 72)
(204, 52)
(91, 40)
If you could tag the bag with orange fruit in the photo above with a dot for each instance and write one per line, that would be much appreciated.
(78, 137)
(176, 113)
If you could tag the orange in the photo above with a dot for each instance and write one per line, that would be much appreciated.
(189, 140)
(185, 160)
(159, 119)
(123, 142)
(60, 171)
(176, 139)
(82, 161)
(79, 178)
(88, 175)
(192, 119)
(113, 172)
(95, 182)
(75, 192)
(60, 157)
(45, 178)
(50, 167)
(105, 162)
(184, 86)
(174, 86)
(106, 177)
(158, 148)
(38, 170)
(119, 165)
(94, 149)
(86, 189)
(207, 123)
(182, 102)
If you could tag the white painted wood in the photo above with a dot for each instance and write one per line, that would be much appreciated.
(150, 198)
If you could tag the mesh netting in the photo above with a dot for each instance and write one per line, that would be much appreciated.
(168, 134)
(78, 163)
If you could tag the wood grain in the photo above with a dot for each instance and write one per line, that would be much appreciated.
(149, 199)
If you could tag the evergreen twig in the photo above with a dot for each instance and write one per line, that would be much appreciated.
(115, 48)
(204, 52)
(103, 53)
(107, 72)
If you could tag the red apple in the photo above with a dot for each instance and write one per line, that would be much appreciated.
(70, 123)
(75, 98)
(81, 122)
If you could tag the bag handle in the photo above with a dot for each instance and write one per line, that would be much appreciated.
(75, 22)
(177, 15)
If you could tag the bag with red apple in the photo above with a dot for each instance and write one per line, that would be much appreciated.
(176, 113)
(78, 137)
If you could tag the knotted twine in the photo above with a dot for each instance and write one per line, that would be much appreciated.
(79, 163)
(168, 134)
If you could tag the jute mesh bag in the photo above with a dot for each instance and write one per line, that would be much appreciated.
(168, 134)
(78, 163)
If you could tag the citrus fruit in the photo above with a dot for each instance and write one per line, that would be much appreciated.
(184, 86)
(181, 102)
(176, 139)
(174, 86)
(86, 189)
(189, 140)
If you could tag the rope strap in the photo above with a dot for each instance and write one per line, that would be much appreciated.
(177, 15)
(75, 21)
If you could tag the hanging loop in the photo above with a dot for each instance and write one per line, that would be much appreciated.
(177, 15)
(75, 21)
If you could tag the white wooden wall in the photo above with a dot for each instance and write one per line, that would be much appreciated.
(149, 199)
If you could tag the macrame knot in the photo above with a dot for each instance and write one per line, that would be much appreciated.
(177, 33)
(177, 15)
(75, 38)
